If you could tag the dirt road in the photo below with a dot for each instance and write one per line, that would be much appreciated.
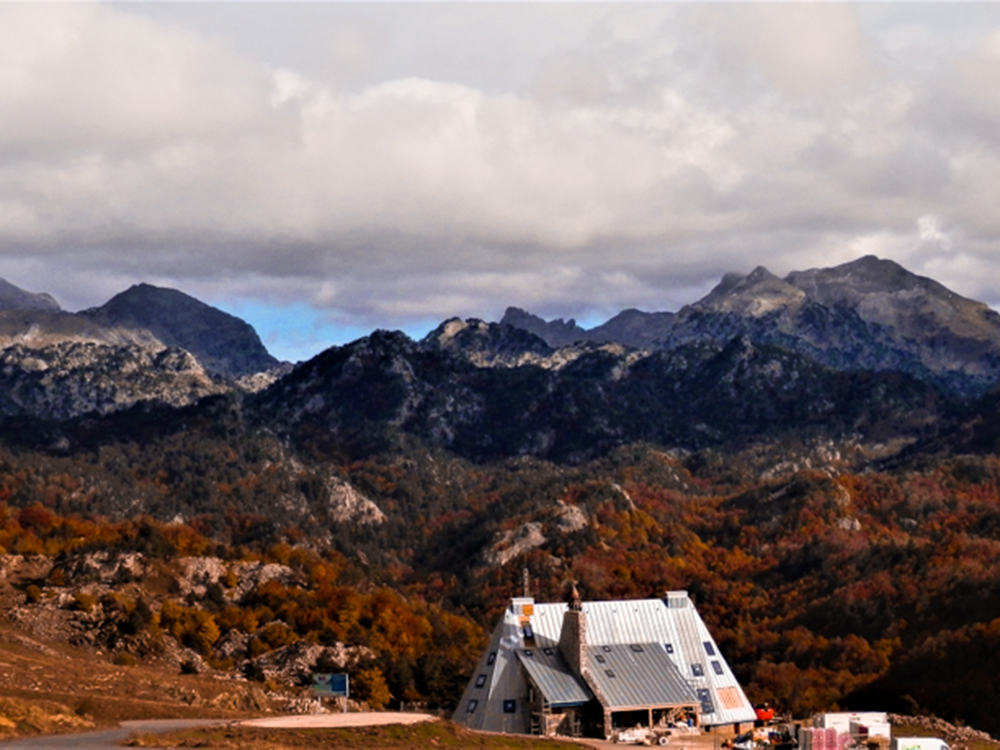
(105, 739)
(335, 720)
(108, 739)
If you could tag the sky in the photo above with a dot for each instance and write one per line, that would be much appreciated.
(323, 169)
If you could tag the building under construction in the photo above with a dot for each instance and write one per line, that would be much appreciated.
(594, 668)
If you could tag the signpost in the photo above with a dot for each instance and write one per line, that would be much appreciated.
(332, 686)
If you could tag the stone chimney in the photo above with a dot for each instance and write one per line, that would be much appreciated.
(573, 637)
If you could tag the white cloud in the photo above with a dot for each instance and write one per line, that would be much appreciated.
(441, 162)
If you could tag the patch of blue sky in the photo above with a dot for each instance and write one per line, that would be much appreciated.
(297, 332)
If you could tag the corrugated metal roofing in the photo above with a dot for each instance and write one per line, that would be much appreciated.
(553, 677)
(672, 622)
(639, 675)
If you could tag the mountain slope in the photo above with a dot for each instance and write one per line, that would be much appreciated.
(224, 344)
(15, 298)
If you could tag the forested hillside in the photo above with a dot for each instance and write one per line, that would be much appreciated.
(823, 586)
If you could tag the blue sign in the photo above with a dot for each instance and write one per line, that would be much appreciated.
(335, 685)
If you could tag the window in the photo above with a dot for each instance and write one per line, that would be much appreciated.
(491, 658)
(717, 666)
(669, 647)
(528, 652)
(606, 649)
(697, 670)
(609, 673)
(709, 648)
(705, 698)
(600, 658)
(480, 681)
(548, 651)
(472, 706)
(636, 647)
(510, 706)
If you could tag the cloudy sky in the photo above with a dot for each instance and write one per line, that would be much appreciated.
(323, 169)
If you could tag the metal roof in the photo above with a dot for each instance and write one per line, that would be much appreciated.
(639, 675)
(553, 677)
(672, 622)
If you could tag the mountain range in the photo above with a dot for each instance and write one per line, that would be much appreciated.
(869, 314)
(813, 457)
(865, 348)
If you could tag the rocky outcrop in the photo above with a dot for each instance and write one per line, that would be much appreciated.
(514, 542)
(349, 505)
(68, 379)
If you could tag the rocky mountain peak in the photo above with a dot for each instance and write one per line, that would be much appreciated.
(487, 344)
(15, 298)
(754, 295)
(849, 282)
(554, 332)
(223, 343)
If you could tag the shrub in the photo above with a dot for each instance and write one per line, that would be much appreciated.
(189, 666)
(84, 602)
(124, 659)
(253, 671)
(33, 593)
(370, 685)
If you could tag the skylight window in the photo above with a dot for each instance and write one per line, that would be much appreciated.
(600, 658)
(697, 670)
(609, 673)
(709, 648)
(472, 706)
(480, 681)
(669, 647)
(705, 698)
(636, 647)
(717, 666)
(491, 658)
